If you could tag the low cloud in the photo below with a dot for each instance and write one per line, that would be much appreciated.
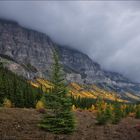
(107, 31)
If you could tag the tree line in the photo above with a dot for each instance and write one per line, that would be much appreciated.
(16, 89)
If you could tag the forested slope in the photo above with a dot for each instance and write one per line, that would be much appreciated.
(17, 89)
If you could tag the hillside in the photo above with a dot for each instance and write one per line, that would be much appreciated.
(81, 91)
(17, 89)
(21, 124)
(29, 53)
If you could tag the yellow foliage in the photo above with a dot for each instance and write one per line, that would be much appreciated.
(40, 105)
(73, 107)
(76, 86)
(78, 90)
(131, 114)
(7, 103)
(34, 84)
(92, 108)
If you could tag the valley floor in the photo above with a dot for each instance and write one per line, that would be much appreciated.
(21, 124)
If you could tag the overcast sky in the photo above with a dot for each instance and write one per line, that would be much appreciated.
(109, 32)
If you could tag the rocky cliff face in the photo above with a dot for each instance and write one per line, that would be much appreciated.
(29, 53)
(81, 68)
(26, 47)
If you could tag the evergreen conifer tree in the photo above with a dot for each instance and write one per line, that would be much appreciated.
(117, 113)
(104, 116)
(60, 118)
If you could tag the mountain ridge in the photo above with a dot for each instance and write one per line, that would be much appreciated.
(34, 50)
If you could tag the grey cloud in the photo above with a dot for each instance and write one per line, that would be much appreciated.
(107, 31)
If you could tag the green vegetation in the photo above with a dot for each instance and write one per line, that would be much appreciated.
(86, 103)
(104, 116)
(107, 111)
(117, 113)
(17, 89)
(59, 117)
(138, 112)
(83, 103)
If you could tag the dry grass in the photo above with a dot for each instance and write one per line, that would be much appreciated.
(21, 124)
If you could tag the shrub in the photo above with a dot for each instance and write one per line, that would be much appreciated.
(73, 107)
(101, 119)
(7, 103)
(92, 108)
(40, 105)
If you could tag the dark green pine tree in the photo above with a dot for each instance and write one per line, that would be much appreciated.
(117, 113)
(59, 118)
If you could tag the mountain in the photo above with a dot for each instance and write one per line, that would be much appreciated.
(30, 53)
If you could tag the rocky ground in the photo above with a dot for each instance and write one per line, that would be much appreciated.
(21, 124)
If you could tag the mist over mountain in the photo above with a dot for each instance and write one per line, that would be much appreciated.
(106, 31)
(29, 53)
